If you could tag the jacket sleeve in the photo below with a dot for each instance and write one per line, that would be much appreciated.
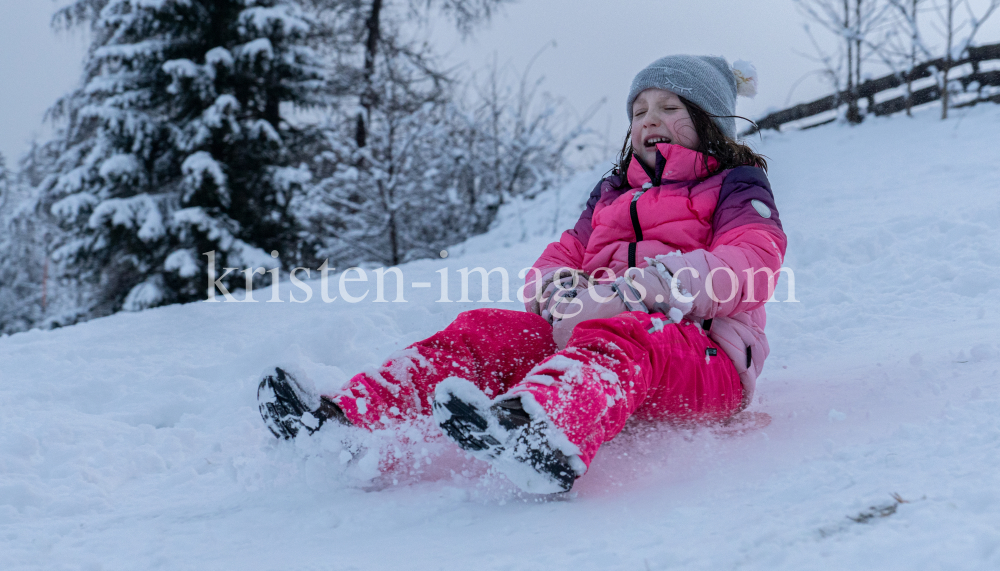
(566, 253)
(745, 255)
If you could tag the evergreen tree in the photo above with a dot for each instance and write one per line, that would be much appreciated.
(180, 142)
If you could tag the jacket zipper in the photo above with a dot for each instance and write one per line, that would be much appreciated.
(634, 211)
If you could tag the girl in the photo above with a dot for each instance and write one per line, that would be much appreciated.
(652, 305)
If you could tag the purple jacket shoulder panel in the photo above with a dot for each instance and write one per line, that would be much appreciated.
(584, 225)
(745, 198)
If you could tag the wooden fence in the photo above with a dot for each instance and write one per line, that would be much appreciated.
(868, 89)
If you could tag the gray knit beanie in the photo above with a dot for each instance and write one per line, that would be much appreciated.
(706, 81)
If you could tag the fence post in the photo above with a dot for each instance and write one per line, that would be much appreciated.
(937, 68)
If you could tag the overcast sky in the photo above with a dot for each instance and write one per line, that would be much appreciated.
(599, 46)
(36, 67)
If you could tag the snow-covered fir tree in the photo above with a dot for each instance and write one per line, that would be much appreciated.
(180, 141)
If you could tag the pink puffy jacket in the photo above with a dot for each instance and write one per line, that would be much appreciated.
(724, 225)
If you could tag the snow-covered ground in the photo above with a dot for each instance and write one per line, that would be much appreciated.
(134, 442)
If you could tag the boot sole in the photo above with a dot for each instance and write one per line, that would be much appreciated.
(280, 406)
(524, 456)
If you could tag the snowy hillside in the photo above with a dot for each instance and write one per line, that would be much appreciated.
(134, 442)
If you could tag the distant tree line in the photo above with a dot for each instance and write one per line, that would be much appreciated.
(978, 84)
(898, 35)
(276, 133)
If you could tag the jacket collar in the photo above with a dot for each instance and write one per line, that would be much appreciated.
(674, 163)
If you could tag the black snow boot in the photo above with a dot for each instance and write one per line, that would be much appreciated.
(283, 406)
(503, 434)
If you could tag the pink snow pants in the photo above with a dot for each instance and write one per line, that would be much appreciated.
(610, 370)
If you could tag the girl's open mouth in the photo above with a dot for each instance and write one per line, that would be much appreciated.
(654, 140)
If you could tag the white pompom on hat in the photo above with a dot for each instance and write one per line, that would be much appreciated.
(746, 78)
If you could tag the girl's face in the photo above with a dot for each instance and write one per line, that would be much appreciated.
(659, 116)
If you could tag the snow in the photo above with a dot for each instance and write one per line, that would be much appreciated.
(219, 57)
(147, 294)
(152, 226)
(72, 205)
(184, 262)
(119, 166)
(255, 48)
(182, 68)
(134, 441)
(131, 51)
(199, 164)
(121, 211)
(288, 18)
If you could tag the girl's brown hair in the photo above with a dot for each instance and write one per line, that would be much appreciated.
(712, 142)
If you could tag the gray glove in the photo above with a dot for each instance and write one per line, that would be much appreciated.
(557, 288)
(660, 292)
(600, 301)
